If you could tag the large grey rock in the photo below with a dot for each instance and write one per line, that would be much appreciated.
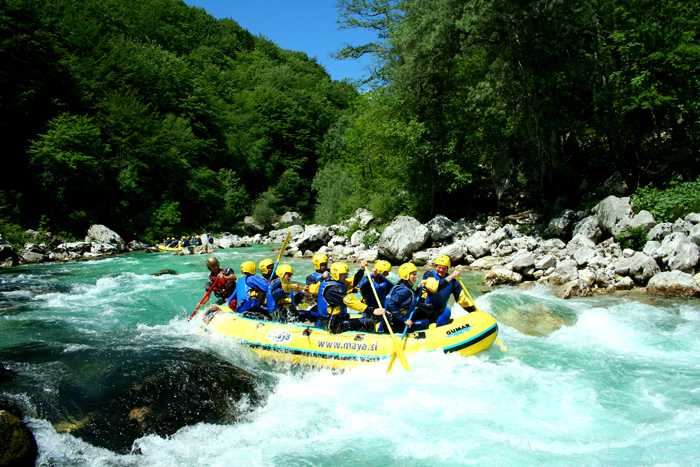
(440, 228)
(566, 271)
(545, 262)
(677, 252)
(291, 218)
(693, 218)
(34, 253)
(100, 234)
(674, 284)
(640, 267)
(563, 225)
(457, 251)
(478, 244)
(278, 236)
(614, 214)
(583, 254)
(487, 262)
(402, 238)
(314, 237)
(660, 231)
(522, 260)
(643, 219)
(501, 276)
(694, 234)
(588, 228)
(356, 237)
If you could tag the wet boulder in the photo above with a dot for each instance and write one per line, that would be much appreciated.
(674, 284)
(17, 444)
(178, 388)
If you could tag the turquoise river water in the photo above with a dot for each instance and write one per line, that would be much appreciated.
(601, 381)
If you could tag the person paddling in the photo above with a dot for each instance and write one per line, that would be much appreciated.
(224, 278)
(380, 271)
(438, 288)
(250, 292)
(282, 299)
(401, 302)
(334, 299)
(266, 266)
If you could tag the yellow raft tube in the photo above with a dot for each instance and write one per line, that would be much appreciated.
(309, 345)
(162, 247)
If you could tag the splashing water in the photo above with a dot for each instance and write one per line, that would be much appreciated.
(609, 380)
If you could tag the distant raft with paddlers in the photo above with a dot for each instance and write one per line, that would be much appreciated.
(162, 247)
(312, 346)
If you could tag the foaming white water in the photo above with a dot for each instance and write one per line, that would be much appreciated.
(583, 382)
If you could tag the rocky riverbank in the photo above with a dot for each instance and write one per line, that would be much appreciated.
(578, 251)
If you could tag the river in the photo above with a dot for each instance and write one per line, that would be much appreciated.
(607, 380)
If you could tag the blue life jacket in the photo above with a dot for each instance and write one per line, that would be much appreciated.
(317, 275)
(380, 288)
(245, 302)
(440, 298)
(322, 304)
(271, 300)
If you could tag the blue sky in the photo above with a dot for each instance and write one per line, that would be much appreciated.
(306, 25)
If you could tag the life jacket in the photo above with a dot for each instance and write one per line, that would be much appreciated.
(440, 298)
(317, 275)
(246, 296)
(222, 288)
(381, 289)
(402, 310)
(271, 302)
(322, 306)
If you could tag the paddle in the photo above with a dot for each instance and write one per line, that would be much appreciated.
(397, 347)
(205, 298)
(403, 336)
(279, 257)
(503, 347)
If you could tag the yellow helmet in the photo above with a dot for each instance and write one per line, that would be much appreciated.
(442, 260)
(212, 261)
(318, 259)
(382, 266)
(248, 267)
(265, 264)
(283, 269)
(406, 269)
(337, 269)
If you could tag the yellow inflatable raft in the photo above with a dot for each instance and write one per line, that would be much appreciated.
(162, 247)
(308, 345)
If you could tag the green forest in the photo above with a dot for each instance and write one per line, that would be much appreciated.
(157, 119)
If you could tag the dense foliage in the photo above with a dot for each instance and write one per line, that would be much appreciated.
(154, 118)
(676, 201)
(485, 104)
